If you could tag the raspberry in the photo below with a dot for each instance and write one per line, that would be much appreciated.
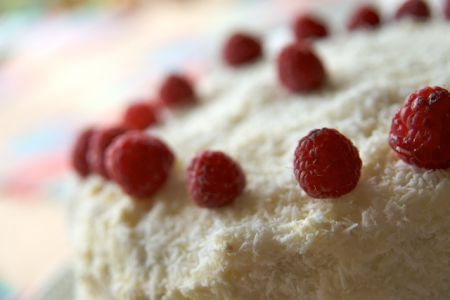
(214, 179)
(141, 115)
(420, 130)
(139, 164)
(176, 91)
(299, 69)
(364, 17)
(79, 153)
(241, 48)
(100, 140)
(309, 27)
(447, 10)
(327, 164)
(416, 9)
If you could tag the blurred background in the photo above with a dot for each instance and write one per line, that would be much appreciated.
(65, 64)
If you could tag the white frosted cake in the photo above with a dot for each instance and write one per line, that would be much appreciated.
(389, 238)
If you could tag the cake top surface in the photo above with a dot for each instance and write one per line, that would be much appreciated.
(275, 240)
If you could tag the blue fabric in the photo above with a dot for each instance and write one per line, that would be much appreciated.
(5, 291)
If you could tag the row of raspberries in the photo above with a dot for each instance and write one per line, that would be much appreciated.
(366, 16)
(326, 163)
(140, 164)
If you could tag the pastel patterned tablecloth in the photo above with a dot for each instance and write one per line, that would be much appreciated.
(60, 72)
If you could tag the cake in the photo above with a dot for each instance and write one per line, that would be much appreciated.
(388, 238)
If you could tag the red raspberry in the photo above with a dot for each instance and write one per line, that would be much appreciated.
(299, 69)
(364, 17)
(241, 48)
(139, 163)
(176, 91)
(327, 164)
(309, 27)
(141, 115)
(79, 153)
(447, 10)
(214, 179)
(100, 140)
(420, 131)
(416, 9)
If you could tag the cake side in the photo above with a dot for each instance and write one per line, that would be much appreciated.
(387, 239)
